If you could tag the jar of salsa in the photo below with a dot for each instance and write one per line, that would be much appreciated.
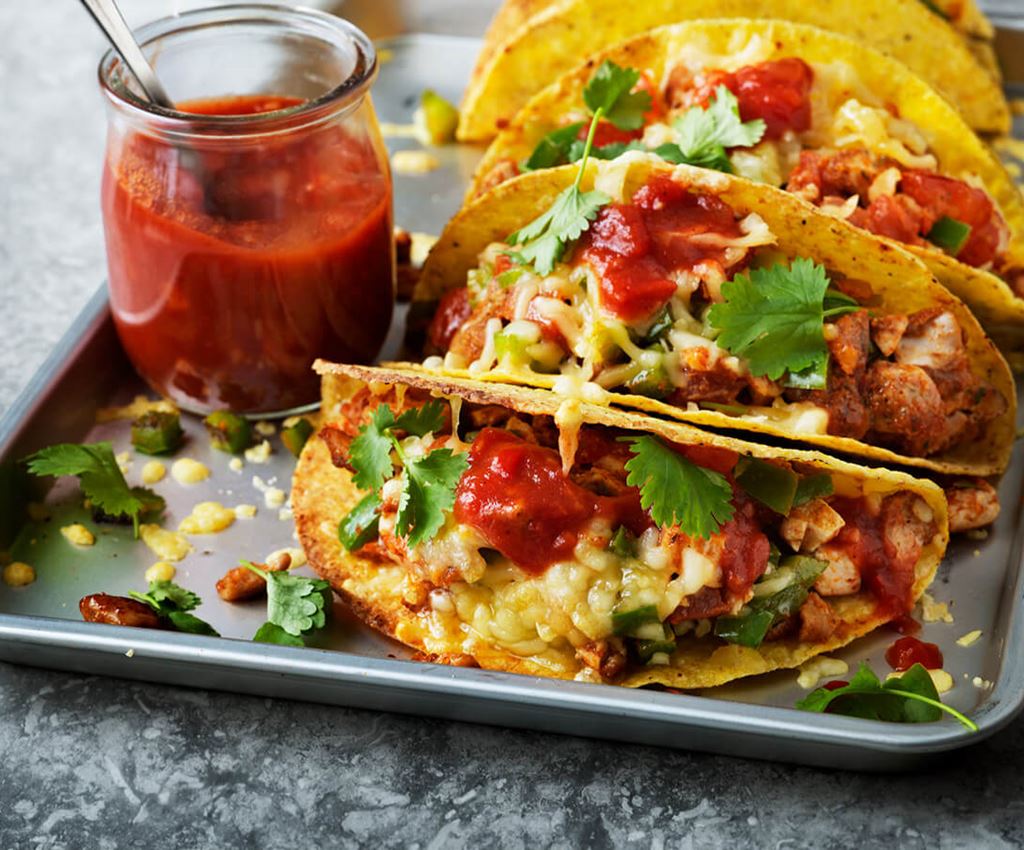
(248, 231)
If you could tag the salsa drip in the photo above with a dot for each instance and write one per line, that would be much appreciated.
(234, 263)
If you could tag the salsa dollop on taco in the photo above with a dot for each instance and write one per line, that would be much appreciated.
(708, 298)
(846, 129)
(507, 528)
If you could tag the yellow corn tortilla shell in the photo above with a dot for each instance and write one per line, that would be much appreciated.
(555, 39)
(322, 494)
(900, 281)
(957, 148)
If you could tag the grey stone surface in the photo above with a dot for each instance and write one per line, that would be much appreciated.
(98, 763)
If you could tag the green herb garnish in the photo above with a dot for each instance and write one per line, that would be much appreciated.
(428, 482)
(296, 606)
(173, 603)
(101, 479)
(702, 135)
(774, 318)
(910, 698)
(677, 491)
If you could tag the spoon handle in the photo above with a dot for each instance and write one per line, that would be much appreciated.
(110, 20)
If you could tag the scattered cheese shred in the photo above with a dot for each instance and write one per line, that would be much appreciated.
(78, 534)
(934, 612)
(259, 454)
(18, 574)
(245, 511)
(969, 639)
(188, 471)
(813, 671)
(161, 571)
(140, 404)
(207, 518)
(153, 471)
(166, 545)
(414, 162)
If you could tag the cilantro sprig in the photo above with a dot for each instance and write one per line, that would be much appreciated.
(296, 606)
(774, 317)
(677, 491)
(173, 603)
(608, 95)
(428, 481)
(99, 476)
(910, 698)
(702, 135)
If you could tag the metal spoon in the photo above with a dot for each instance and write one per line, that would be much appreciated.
(111, 21)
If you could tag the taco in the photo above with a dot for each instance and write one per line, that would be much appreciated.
(843, 127)
(552, 40)
(724, 303)
(504, 527)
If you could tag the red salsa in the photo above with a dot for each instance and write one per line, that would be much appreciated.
(516, 495)
(908, 651)
(633, 248)
(235, 263)
(777, 92)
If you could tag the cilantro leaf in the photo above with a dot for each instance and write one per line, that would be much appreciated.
(190, 623)
(909, 698)
(173, 602)
(428, 490)
(545, 239)
(610, 91)
(774, 318)
(295, 603)
(420, 421)
(370, 452)
(703, 135)
(677, 491)
(273, 633)
(101, 479)
(554, 149)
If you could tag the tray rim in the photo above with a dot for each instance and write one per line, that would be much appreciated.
(690, 712)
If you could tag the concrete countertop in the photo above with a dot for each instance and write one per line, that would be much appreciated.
(99, 763)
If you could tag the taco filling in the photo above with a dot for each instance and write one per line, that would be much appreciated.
(671, 295)
(811, 128)
(596, 551)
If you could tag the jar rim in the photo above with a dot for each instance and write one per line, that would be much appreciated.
(112, 71)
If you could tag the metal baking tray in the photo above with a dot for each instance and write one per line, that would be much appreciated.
(40, 625)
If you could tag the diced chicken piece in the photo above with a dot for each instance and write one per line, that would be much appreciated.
(905, 405)
(817, 619)
(907, 524)
(972, 504)
(810, 525)
(841, 577)
(607, 657)
(932, 340)
(887, 331)
(851, 342)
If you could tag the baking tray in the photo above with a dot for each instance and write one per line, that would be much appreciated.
(351, 665)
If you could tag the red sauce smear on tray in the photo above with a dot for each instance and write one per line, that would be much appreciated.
(233, 265)
(908, 651)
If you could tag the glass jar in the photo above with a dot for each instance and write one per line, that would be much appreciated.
(249, 232)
